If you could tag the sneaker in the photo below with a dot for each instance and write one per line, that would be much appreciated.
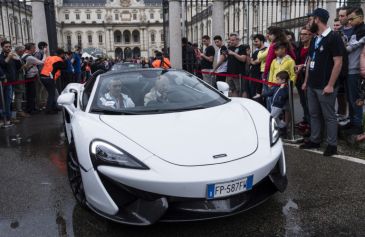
(343, 121)
(14, 120)
(330, 151)
(310, 145)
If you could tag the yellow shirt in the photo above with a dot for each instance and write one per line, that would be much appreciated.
(286, 64)
(261, 56)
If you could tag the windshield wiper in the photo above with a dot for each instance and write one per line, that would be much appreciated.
(114, 112)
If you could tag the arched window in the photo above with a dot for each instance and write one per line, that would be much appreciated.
(79, 39)
(135, 35)
(117, 36)
(153, 37)
(127, 36)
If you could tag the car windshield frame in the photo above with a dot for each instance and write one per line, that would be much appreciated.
(202, 97)
(125, 66)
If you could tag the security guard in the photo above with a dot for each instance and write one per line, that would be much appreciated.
(50, 73)
(161, 61)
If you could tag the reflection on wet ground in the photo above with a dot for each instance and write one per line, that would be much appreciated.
(325, 196)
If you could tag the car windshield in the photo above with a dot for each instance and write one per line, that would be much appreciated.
(153, 91)
(121, 66)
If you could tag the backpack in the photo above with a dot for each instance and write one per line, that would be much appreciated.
(24, 61)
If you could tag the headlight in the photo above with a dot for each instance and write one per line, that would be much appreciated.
(107, 154)
(274, 132)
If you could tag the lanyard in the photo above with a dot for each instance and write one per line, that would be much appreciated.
(316, 46)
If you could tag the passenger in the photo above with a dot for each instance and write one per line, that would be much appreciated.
(115, 98)
(158, 94)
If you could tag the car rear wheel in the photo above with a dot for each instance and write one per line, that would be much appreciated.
(74, 176)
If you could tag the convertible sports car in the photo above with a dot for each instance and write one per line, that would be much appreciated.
(149, 145)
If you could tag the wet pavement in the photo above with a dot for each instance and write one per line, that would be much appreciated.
(325, 196)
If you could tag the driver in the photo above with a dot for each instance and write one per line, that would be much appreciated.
(115, 98)
(158, 94)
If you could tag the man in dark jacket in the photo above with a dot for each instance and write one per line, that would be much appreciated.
(188, 56)
(10, 65)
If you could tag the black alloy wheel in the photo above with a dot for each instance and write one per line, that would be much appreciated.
(74, 175)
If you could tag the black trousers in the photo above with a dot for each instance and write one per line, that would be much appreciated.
(30, 94)
(50, 86)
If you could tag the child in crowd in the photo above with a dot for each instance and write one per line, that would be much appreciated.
(282, 62)
(279, 95)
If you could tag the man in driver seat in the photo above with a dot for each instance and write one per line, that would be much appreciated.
(115, 98)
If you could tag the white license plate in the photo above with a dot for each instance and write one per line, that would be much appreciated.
(229, 188)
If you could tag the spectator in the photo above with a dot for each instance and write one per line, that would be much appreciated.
(221, 58)
(276, 34)
(283, 62)
(76, 63)
(41, 92)
(356, 19)
(68, 74)
(301, 55)
(342, 118)
(320, 81)
(279, 95)
(31, 65)
(188, 56)
(346, 28)
(337, 25)
(50, 73)
(206, 63)
(258, 63)
(19, 90)
(10, 65)
(236, 64)
(161, 61)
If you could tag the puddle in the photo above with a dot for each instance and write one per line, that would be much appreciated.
(14, 224)
(292, 220)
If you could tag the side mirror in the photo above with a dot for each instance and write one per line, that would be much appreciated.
(223, 87)
(66, 100)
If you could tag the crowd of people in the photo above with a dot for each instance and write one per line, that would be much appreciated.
(29, 73)
(327, 68)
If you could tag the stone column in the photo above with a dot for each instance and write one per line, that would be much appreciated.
(143, 38)
(218, 18)
(175, 34)
(39, 25)
(331, 8)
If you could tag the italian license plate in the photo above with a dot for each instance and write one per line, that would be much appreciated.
(229, 188)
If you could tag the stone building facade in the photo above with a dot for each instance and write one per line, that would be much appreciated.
(16, 22)
(119, 28)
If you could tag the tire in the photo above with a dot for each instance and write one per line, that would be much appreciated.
(74, 176)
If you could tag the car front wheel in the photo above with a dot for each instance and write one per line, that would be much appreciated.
(74, 175)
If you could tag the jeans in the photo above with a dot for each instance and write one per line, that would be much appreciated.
(8, 98)
(353, 93)
(322, 106)
(50, 86)
(303, 100)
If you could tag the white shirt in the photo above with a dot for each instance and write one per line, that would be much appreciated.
(110, 101)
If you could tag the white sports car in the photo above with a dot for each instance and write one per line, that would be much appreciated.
(149, 145)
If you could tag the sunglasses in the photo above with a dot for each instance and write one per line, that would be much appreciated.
(353, 18)
(116, 86)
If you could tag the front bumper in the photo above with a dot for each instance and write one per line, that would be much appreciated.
(137, 207)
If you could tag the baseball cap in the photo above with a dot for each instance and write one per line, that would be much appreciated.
(320, 12)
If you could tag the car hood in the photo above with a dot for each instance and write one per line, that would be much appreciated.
(191, 138)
